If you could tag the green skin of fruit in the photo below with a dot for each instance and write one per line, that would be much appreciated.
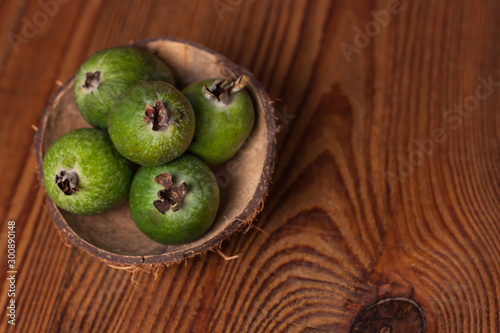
(119, 68)
(197, 210)
(220, 129)
(104, 176)
(135, 139)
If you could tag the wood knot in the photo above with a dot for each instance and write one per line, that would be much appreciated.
(390, 315)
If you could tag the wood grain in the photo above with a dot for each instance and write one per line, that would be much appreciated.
(339, 232)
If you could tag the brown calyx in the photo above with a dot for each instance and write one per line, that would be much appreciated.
(92, 80)
(67, 181)
(158, 114)
(171, 196)
(221, 90)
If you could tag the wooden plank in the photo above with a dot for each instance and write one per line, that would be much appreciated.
(383, 187)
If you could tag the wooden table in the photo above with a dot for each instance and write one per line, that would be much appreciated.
(387, 183)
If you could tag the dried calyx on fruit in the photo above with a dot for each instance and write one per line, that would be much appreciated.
(158, 114)
(171, 196)
(91, 81)
(67, 181)
(221, 89)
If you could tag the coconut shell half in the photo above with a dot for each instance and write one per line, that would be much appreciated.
(113, 237)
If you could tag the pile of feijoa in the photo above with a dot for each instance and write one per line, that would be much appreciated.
(139, 116)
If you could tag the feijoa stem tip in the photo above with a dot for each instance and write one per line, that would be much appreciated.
(172, 196)
(158, 114)
(92, 80)
(67, 181)
(221, 90)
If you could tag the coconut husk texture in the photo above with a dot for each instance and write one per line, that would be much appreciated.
(113, 237)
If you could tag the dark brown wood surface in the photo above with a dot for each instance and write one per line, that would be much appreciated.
(387, 182)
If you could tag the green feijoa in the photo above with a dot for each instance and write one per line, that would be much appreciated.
(176, 202)
(108, 73)
(224, 115)
(151, 123)
(83, 173)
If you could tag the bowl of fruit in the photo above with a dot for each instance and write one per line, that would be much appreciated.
(155, 152)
